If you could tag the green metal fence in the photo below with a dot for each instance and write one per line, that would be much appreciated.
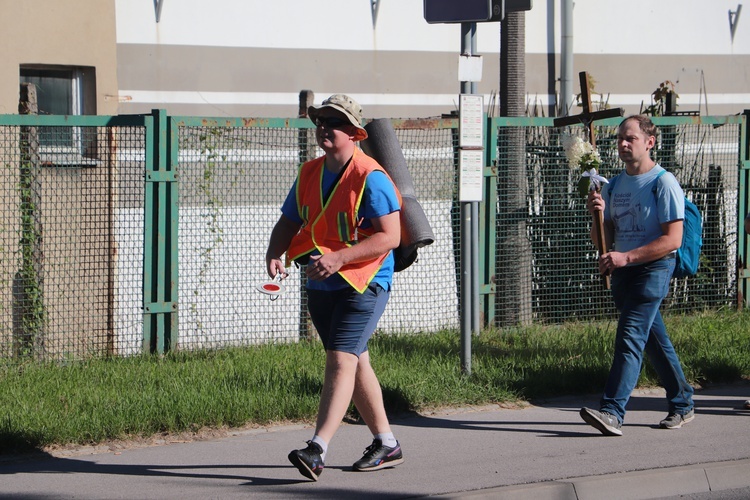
(545, 263)
(133, 233)
(233, 177)
(69, 203)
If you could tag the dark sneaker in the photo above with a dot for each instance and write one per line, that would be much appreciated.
(675, 420)
(377, 456)
(308, 460)
(604, 422)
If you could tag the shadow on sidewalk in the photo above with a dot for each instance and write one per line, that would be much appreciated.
(714, 400)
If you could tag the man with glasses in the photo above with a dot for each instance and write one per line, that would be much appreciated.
(341, 220)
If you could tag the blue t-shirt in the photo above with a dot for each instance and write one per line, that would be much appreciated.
(633, 209)
(379, 199)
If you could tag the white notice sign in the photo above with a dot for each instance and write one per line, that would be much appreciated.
(471, 118)
(470, 174)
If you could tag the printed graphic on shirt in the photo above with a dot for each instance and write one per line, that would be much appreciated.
(633, 212)
(627, 216)
(633, 209)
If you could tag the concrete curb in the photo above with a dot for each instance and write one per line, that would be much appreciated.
(648, 484)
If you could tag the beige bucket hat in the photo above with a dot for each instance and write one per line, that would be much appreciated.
(346, 105)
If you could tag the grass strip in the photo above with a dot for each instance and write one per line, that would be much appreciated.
(98, 400)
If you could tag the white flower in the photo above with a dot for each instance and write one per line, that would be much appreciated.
(580, 154)
(595, 179)
(573, 147)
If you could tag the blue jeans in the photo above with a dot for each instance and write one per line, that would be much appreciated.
(638, 292)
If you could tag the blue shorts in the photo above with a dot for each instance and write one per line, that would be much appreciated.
(346, 319)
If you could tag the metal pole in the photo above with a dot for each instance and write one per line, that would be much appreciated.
(475, 303)
(468, 221)
(468, 45)
(465, 288)
(566, 58)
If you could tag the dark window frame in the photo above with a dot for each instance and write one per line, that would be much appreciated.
(64, 90)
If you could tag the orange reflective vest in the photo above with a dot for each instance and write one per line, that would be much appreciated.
(333, 225)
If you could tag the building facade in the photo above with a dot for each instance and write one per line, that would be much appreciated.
(252, 58)
(69, 45)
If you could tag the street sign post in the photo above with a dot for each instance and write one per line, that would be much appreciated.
(471, 175)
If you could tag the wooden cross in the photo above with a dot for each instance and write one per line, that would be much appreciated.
(587, 118)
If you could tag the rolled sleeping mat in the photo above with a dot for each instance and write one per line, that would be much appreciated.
(415, 233)
(415, 229)
(383, 146)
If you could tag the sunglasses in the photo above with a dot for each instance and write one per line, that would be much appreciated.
(330, 122)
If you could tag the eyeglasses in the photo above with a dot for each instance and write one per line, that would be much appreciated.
(330, 122)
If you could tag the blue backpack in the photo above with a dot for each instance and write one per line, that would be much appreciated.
(689, 253)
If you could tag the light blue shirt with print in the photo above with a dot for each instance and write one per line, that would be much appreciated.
(633, 208)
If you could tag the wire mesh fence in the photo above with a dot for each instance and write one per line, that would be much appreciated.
(67, 290)
(232, 183)
(546, 263)
(128, 166)
(72, 229)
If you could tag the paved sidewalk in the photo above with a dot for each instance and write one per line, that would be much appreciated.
(541, 451)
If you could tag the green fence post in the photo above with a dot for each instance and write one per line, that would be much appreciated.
(488, 221)
(149, 343)
(160, 237)
(743, 205)
(172, 255)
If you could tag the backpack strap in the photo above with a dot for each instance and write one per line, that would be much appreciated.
(656, 184)
(657, 180)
